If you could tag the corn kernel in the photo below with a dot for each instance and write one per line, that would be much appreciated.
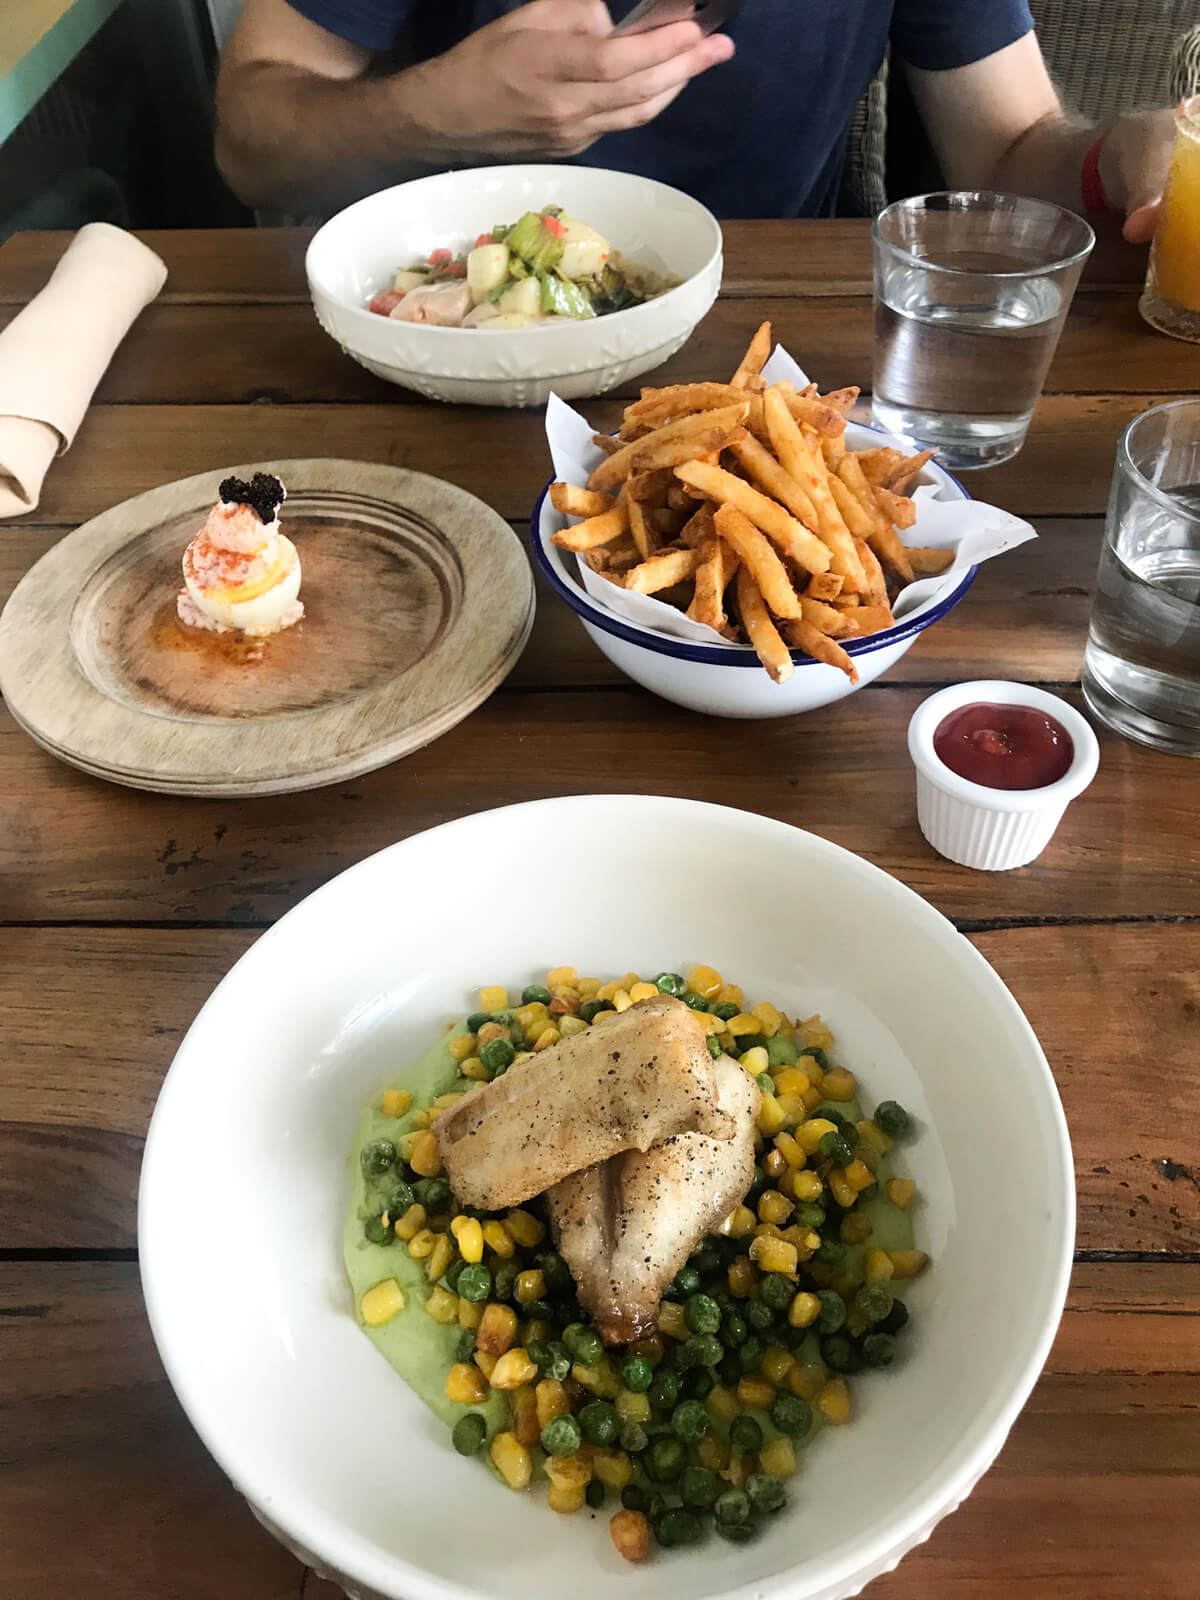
(839, 1188)
(743, 1024)
(525, 1228)
(443, 1255)
(833, 1401)
(565, 1500)
(466, 1385)
(900, 1191)
(773, 1164)
(485, 1362)
(708, 1022)
(706, 981)
(869, 1157)
(642, 991)
(470, 1314)
(791, 1152)
(804, 1310)
(713, 1450)
(420, 1246)
(551, 1400)
(731, 995)
(810, 1133)
(855, 1229)
(774, 1207)
(522, 1055)
(561, 977)
(381, 1303)
(568, 1027)
(511, 1460)
(769, 1018)
(816, 1078)
(474, 1069)
(742, 1279)
(775, 1255)
(756, 1394)
(600, 1379)
(421, 1120)
(588, 988)
(530, 1285)
(497, 1329)
(407, 1142)
(755, 1061)
(613, 1468)
(811, 1097)
(839, 1084)
(607, 990)
(806, 1241)
(528, 1015)
(877, 1266)
(908, 1263)
(410, 1224)
(814, 1032)
(859, 1176)
(793, 1108)
(497, 1237)
(871, 1133)
(632, 1407)
(546, 1038)
(570, 1472)
(513, 1369)
(806, 1379)
(538, 1331)
(630, 1533)
(790, 1080)
(846, 1281)
(493, 997)
(622, 1000)
(739, 1224)
(522, 1404)
(442, 1306)
(462, 1046)
(770, 1117)
(671, 1320)
(469, 1233)
(778, 1457)
(396, 1102)
(777, 1363)
(722, 1405)
(807, 1186)
(426, 1159)
(492, 1030)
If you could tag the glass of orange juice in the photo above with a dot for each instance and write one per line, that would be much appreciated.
(1171, 299)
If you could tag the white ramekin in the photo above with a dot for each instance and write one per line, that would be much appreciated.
(993, 829)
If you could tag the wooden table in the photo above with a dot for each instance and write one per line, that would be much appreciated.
(121, 910)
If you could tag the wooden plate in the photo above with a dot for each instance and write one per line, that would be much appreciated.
(418, 599)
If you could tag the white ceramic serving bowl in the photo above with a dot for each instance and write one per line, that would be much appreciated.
(248, 1302)
(357, 253)
(724, 680)
(994, 830)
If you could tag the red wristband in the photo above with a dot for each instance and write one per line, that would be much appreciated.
(1095, 201)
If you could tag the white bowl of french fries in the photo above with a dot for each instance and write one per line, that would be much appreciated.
(729, 528)
(358, 252)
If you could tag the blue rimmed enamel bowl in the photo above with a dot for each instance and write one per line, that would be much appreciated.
(727, 680)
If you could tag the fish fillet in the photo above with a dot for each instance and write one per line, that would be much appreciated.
(625, 1228)
(631, 1080)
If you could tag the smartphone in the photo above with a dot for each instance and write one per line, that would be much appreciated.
(710, 14)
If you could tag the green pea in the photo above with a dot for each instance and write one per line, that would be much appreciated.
(453, 1272)
(810, 1214)
(669, 983)
(634, 1497)
(599, 1422)
(832, 1251)
(734, 1329)
(737, 1532)
(665, 1459)
(765, 1082)
(378, 1157)
(497, 1055)
(694, 1001)
(594, 1494)
(750, 1041)
(765, 1492)
(818, 1056)
(707, 1260)
(685, 1282)
(377, 1231)
(506, 1280)
(751, 1354)
(556, 1273)
(656, 1508)
(732, 1508)
(475, 1283)
(664, 1391)
(745, 1434)
(399, 1197)
(832, 1314)
(477, 1019)
(699, 1487)
(725, 1009)
(702, 1314)
(892, 1118)
(558, 1362)
(759, 1315)
(840, 1120)
(836, 1148)
(561, 1436)
(464, 1345)
(874, 1302)
(534, 994)
(791, 1415)
(714, 1049)
(504, 1018)
(879, 1349)
(584, 1343)
(469, 1433)
(537, 1310)
(634, 1438)
(703, 1350)
(591, 1009)
(896, 1318)
(838, 1353)
(690, 1421)
(781, 1052)
(433, 1193)
(676, 1528)
(776, 1290)
(637, 1374)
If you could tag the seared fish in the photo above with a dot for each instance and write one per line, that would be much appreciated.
(626, 1228)
(630, 1081)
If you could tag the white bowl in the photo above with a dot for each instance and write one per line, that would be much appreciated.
(728, 680)
(994, 830)
(245, 1289)
(358, 252)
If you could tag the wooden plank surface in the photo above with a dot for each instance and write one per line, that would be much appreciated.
(1092, 1498)
(94, 1017)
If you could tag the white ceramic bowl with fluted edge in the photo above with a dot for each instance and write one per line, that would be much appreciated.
(250, 1308)
(994, 830)
(357, 253)
(728, 680)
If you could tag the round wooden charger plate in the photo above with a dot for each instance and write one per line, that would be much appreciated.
(418, 599)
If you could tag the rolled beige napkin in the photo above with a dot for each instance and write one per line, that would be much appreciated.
(55, 351)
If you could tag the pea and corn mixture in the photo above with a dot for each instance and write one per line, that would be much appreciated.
(696, 1427)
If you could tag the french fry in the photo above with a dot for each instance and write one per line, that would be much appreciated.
(833, 448)
(678, 499)
(654, 452)
(882, 538)
(760, 630)
(651, 488)
(717, 565)
(814, 643)
(698, 528)
(888, 546)
(800, 463)
(908, 468)
(677, 399)
(824, 617)
(796, 542)
(825, 585)
(809, 410)
(620, 464)
(897, 508)
(596, 530)
(879, 465)
(662, 571)
(757, 555)
(874, 591)
(755, 358)
(643, 537)
(756, 422)
(854, 514)
(666, 522)
(762, 467)
(606, 442)
(863, 620)
(927, 562)
(573, 502)
(841, 399)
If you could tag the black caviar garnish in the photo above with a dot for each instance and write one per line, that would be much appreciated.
(264, 494)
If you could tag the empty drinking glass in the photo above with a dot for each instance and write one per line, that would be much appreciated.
(971, 291)
(1141, 671)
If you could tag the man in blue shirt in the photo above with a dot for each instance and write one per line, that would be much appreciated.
(752, 121)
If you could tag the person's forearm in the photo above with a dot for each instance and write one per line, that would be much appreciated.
(1047, 161)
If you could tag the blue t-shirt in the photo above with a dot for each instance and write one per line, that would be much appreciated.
(763, 135)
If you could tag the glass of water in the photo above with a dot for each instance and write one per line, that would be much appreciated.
(1141, 671)
(971, 291)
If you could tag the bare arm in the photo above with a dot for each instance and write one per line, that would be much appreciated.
(998, 123)
(302, 124)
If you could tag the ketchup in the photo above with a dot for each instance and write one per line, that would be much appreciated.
(1004, 747)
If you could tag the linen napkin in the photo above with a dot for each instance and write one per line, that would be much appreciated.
(55, 351)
